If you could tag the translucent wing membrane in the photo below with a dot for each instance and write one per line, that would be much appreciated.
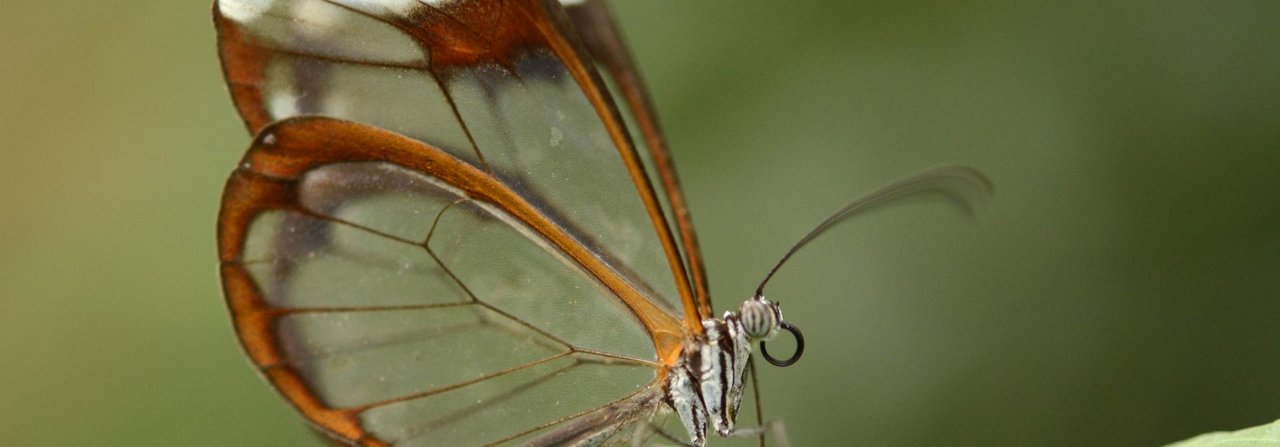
(500, 85)
(604, 41)
(398, 295)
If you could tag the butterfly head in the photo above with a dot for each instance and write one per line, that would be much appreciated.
(761, 320)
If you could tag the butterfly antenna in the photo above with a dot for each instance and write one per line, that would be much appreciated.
(962, 186)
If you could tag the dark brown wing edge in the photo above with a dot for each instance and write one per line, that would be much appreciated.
(243, 67)
(604, 41)
(267, 179)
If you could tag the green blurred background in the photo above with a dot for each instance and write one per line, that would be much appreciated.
(1122, 289)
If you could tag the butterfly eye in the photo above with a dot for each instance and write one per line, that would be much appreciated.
(760, 318)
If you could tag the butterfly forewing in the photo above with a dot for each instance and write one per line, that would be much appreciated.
(493, 83)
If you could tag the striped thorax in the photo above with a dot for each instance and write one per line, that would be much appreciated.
(705, 386)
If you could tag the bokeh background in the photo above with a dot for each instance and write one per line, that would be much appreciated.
(1123, 288)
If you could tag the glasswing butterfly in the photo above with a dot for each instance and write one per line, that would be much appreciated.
(444, 232)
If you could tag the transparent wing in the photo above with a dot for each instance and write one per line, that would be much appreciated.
(501, 85)
(604, 41)
(397, 295)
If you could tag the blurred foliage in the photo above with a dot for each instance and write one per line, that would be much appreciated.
(1122, 289)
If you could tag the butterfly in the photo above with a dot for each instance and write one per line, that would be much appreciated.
(459, 224)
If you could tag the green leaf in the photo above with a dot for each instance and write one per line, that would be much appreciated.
(1262, 435)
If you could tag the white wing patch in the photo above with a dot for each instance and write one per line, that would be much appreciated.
(345, 29)
(323, 19)
(282, 103)
(243, 11)
(386, 8)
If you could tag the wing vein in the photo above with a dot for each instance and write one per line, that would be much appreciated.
(451, 387)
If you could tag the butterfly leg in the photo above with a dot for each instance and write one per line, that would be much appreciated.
(636, 442)
(775, 429)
